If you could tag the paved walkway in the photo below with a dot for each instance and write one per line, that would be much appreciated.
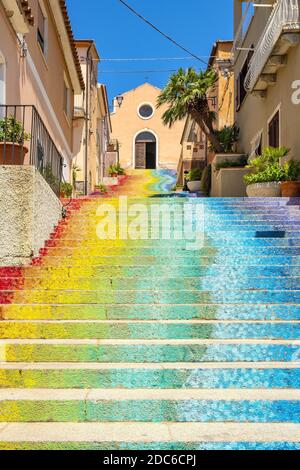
(156, 343)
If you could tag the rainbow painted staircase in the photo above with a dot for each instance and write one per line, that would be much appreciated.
(145, 344)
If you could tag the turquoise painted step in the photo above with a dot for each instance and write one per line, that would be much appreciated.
(151, 411)
(149, 353)
(280, 311)
(150, 378)
(63, 330)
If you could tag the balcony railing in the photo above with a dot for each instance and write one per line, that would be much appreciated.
(285, 17)
(25, 140)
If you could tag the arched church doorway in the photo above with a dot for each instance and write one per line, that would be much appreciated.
(146, 151)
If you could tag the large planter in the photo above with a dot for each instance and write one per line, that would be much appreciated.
(264, 190)
(12, 154)
(194, 186)
(290, 189)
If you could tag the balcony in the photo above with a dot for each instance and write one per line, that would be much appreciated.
(281, 32)
(25, 140)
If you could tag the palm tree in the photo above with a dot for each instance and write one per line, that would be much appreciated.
(186, 95)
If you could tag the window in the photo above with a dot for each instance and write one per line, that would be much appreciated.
(67, 100)
(41, 29)
(146, 111)
(274, 130)
(2, 82)
(240, 86)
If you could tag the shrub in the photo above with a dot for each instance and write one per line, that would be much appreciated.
(194, 175)
(66, 189)
(291, 171)
(116, 170)
(267, 168)
(227, 137)
(101, 187)
(240, 162)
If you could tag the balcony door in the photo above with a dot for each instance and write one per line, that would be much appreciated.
(146, 151)
(2, 83)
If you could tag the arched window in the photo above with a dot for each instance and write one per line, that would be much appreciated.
(146, 137)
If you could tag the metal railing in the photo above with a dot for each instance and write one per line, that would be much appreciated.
(25, 140)
(284, 17)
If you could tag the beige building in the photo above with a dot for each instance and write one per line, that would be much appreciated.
(92, 125)
(39, 68)
(144, 141)
(195, 147)
(267, 70)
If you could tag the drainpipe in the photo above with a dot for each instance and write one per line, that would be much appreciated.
(87, 107)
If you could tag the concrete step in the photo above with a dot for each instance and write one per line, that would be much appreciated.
(83, 252)
(54, 274)
(158, 406)
(154, 351)
(176, 261)
(261, 312)
(148, 330)
(150, 376)
(204, 282)
(136, 436)
(142, 297)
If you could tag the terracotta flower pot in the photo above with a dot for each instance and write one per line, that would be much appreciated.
(290, 189)
(12, 154)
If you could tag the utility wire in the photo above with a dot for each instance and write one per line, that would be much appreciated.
(161, 32)
(150, 59)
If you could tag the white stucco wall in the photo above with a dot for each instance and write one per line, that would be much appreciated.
(29, 212)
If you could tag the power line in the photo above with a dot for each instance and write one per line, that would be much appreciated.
(161, 32)
(149, 59)
(137, 71)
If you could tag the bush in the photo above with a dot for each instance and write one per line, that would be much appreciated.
(101, 187)
(206, 180)
(240, 162)
(116, 170)
(291, 171)
(66, 189)
(194, 175)
(12, 130)
(227, 137)
(267, 168)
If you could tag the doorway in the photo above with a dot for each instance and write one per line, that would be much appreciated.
(146, 151)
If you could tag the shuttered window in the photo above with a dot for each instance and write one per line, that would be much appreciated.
(240, 86)
(274, 129)
(41, 28)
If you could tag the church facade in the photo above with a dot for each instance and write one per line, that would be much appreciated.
(144, 141)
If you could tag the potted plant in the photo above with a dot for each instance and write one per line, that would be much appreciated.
(112, 171)
(12, 138)
(194, 180)
(101, 188)
(66, 190)
(266, 174)
(290, 186)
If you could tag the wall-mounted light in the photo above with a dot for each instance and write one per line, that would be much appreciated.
(120, 100)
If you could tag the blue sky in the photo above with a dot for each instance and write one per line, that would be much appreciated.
(196, 24)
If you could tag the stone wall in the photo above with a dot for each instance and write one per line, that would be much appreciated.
(29, 212)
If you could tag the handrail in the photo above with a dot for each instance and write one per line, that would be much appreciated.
(285, 16)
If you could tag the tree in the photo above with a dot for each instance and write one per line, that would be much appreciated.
(186, 94)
